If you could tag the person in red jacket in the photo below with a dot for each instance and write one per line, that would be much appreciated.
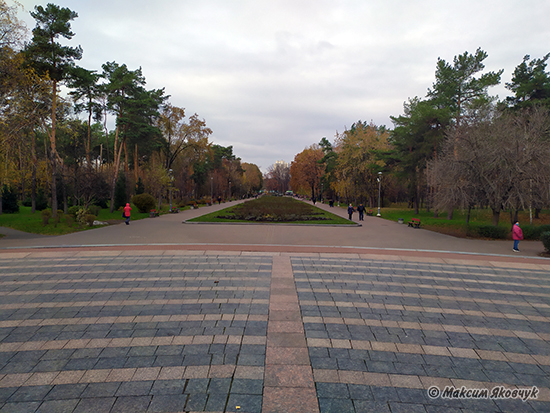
(517, 235)
(127, 210)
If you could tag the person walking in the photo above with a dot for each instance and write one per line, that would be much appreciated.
(517, 235)
(350, 211)
(361, 210)
(127, 210)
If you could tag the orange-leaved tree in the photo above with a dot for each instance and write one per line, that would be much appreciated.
(306, 171)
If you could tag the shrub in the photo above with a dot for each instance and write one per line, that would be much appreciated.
(89, 219)
(94, 210)
(81, 217)
(144, 202)
(69, 220)
(9, 200)
(545, 238)
(530, 232)
(46, 214)
(490, 231)
(541, 229)
(74, 210)
(533, 231)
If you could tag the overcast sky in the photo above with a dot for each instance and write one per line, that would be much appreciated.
(273, 77)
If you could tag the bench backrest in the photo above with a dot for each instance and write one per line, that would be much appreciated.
(416, 219)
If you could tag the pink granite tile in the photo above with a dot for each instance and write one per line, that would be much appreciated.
(288, 376)
(287, 355)
(289, 400)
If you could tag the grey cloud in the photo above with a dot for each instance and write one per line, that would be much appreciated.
(271, 78)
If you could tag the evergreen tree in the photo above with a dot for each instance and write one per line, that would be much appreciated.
(49, 57)
(9, 200)
(530, 84)
(120, 191)
(140, 188)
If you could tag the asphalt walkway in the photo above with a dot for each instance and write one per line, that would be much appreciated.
(375, 233)
(162, 316)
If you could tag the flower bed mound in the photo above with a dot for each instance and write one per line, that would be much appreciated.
(274, 209)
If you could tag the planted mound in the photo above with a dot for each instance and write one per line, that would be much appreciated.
(274, 209)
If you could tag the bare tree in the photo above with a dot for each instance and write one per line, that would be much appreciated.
(278, 177)
(500, 162)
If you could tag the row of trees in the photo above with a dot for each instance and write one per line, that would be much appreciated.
(457, 147)
(58, 144)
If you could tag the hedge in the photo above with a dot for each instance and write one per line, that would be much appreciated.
(545, 238)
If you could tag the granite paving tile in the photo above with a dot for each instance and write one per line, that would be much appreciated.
(408, 324)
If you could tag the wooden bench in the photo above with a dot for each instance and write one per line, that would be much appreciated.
(415, 223)
(369, 213)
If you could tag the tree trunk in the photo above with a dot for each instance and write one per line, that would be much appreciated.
(54, 152)
(89, 138)
(136, 169)
(21, 169)
(33, 177)
(33, 189)
(496, 216)
(537, 212)
(64, 190)
(115, 171)
(468, 215)
(513, 216)
(450, 213)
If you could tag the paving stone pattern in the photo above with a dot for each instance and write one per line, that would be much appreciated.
(380, 333)
(189, 331)
(133, 333)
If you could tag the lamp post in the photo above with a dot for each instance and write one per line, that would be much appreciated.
(379, 186)
(229, 191)
(211, 190)
(170, 172)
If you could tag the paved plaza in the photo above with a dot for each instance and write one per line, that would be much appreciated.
(95, 323)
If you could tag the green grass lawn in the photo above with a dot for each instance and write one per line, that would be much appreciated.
(27, 222)
(277, 210)
(457, 226)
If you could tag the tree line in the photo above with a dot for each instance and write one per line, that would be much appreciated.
(56, 148)
(457, 147)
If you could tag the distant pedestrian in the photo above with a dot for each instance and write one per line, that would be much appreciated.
(219, 200)
(126, 214)
(517, 235)
(331, 203)
(361, 210)
(350, 211)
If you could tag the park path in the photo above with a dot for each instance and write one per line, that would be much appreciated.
(375, 233)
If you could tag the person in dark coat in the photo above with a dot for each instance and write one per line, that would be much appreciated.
(361, 210)
(350, 211)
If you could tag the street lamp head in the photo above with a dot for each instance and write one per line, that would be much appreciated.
(380, 173)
